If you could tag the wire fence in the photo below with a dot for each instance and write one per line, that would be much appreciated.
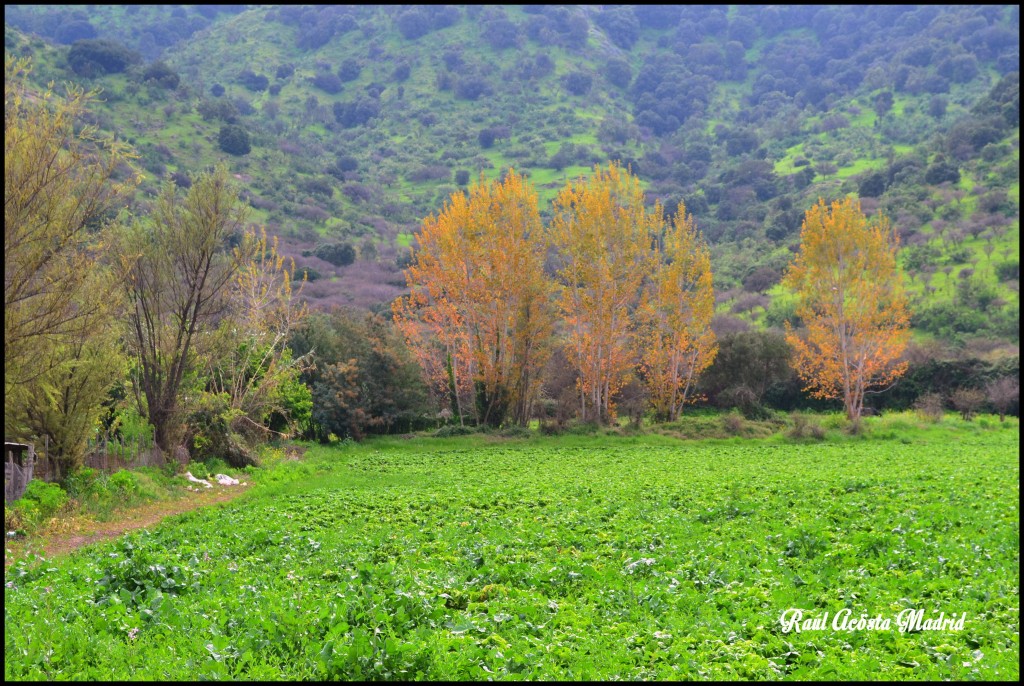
(18, 468)
(107, 454)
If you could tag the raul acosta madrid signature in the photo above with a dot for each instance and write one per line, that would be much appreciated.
(910, 619)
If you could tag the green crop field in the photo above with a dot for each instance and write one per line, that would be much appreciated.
(557, 558)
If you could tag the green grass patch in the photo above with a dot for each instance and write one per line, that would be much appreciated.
(582, 557)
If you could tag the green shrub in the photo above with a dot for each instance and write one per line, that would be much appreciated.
(583, 429)
(550, 429)
(123, 483)
(453, 430)
(42, 500)
(234, 139)
(516, 432)
(92, 57)
(83, 482)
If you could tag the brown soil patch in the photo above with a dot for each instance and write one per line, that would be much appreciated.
(80, 531)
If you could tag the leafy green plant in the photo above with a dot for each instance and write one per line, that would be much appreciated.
(49, 497)
(84, 482)
(40, 502)
(420, 559)
(123, 484)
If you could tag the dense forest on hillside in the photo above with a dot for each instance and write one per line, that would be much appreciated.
(346, 126)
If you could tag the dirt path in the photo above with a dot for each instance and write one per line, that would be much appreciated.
(79, 532)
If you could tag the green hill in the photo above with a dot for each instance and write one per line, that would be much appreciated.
(361, 120)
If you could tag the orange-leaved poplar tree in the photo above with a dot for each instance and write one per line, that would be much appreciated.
(675, 339)
(603, 233)
(434, 332)
(852, 302)
(477, 314)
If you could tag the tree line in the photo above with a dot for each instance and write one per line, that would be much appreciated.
(181, 317)
(493, 292)
(625, 293)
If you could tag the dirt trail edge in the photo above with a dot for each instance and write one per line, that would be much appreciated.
(83, 532)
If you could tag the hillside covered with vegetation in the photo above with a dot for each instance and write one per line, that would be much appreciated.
(344, 129)
(348, 125)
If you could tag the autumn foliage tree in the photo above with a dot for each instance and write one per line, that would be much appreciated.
(851, 299)
(675, 339)
(477, 316)
(603, 234)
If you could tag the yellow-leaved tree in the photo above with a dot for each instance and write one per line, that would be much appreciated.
(477, 316)
(675, 339)
(59, 191)
(178, 285)
(603, 233)
(852, 302)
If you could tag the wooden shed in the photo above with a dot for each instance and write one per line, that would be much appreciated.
(19, 462)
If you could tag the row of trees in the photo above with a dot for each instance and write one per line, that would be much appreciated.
(494, 291)
(184, 312)
(624, 292)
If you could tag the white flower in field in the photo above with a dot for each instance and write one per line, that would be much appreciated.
(133, 633)
(662, 634)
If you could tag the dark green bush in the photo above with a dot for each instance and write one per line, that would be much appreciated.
(234, 140)
(94, 57)
(515, 432)
(453, 430)
(338, 254)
